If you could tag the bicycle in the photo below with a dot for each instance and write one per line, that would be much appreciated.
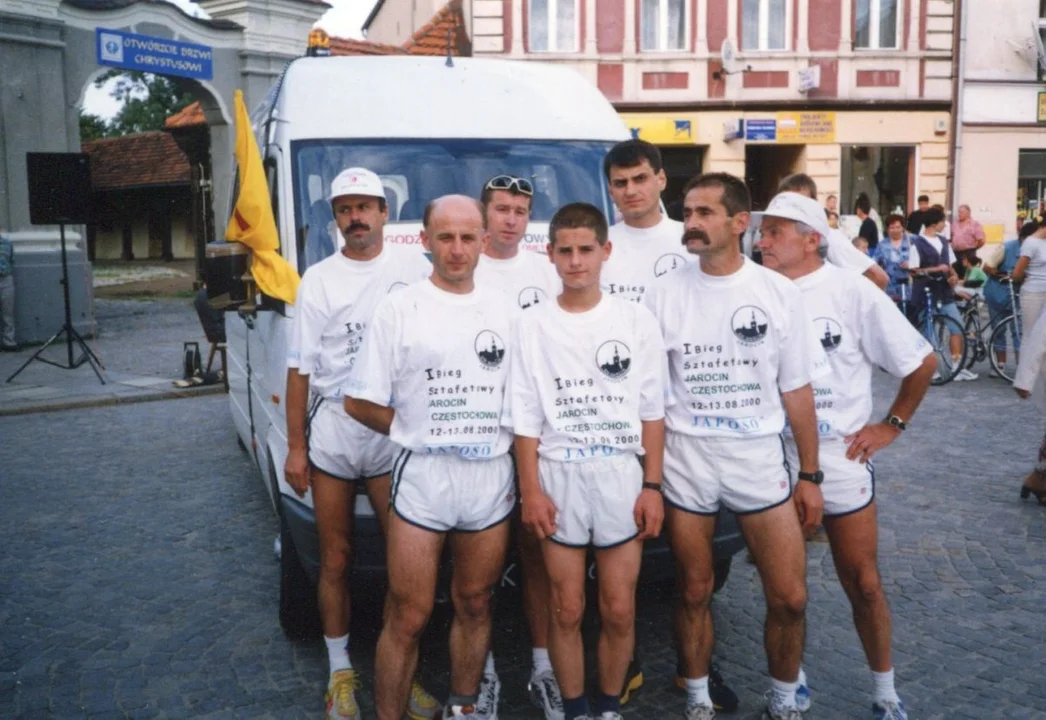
(1005, 340)
(938, 329)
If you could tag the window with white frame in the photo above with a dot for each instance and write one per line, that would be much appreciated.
(877, 23)
(764, 25)
(553, 26)
(663, 24)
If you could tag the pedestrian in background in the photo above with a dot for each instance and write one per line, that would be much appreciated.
(1029, 380)
(892, 255)
(7, 294)
(1031, 273)
(998, 267)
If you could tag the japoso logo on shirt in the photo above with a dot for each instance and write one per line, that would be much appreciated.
(614, 359)
(667, 263)
(749, 324)
(529, 296)
(831, 334)
(490, 349)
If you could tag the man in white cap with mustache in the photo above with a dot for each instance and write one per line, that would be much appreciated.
(859, 328)
(328, 450)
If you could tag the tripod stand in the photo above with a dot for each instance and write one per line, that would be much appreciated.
(71, 336)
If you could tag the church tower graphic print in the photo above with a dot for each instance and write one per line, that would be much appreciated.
(749, 324)
(490, 349)
(614, 359)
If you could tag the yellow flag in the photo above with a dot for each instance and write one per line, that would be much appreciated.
(252, 222)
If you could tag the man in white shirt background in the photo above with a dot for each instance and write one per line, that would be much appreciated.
(528, 280)
(742, 355)
(327, 450)
(860, 329)
(646, 241)
(432, 376)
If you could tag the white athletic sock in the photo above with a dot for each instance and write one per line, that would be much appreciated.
(542, 662)
(884, 689)
(697, 692)
(801, 680)
(338, 652)
(782, 694)
(488, 668)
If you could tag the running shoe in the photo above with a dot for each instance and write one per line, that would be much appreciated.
(611, 715)
(723, 698)
(782, 714)
(633, 680)
(489, 693)
(341, 696)
(889, 710)
(699, 712)
(965, 374)
(544, 693)
(421, 706)
(802, 697)
(460, 711)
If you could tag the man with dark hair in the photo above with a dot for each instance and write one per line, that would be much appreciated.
(579, 490)
(646, 241)
(742, 355)
(869, 230)
(860, 330)
(327, 450)
(527, 280)
(431, 376)
(839, 250)
(917, 218)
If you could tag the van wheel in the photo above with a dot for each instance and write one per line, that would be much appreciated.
(722, 572)
(299, 608)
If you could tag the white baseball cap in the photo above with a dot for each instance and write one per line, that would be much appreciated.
(793, 206)
(357, 181)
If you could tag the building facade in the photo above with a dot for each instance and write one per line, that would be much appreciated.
(856, 93)
(1002, 159)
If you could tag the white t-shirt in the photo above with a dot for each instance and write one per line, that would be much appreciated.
(441, 360)
(842, 253)
(936, 244)
(527, 280)
(1034, 249)
(336, 299)
(860, 328)
(639, 256)
(584, 382)
(734, 344)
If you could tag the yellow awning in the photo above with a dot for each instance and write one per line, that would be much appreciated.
(663, 128)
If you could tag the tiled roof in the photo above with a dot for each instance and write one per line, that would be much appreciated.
(188, 116)
(432, 38)
(348, 46)
(141, 160)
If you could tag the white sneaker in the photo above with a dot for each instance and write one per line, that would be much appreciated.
(544, 693)
(611, 715)
(965, 374)
(489, 694)
(699, 712)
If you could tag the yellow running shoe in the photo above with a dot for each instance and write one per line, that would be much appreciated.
(422, 706)
(341, 696)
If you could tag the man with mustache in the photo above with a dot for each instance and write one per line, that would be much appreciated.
(860, 328)
(742, 355)
(328, 450)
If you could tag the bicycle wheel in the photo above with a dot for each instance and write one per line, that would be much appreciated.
(948, 365)
(1003, 346)
(976, 350)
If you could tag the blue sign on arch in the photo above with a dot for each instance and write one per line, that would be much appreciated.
(154, 54)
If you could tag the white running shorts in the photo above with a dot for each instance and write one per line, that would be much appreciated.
(848, 486)
(747, 475)
(596, 499)
(343, 448)
(442, 493)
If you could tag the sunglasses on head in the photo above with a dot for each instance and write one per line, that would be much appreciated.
(507, 182)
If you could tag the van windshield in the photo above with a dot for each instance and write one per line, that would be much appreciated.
(414, 173)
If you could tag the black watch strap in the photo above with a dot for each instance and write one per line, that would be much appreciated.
(894, 421)
(815, 477)
(652, 486)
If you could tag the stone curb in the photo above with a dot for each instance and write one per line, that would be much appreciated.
(174, 394)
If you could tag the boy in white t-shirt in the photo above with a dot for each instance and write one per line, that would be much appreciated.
(432, 376)
(583, 411)
(860, 328)
(327, 449)
(741, 356)
(646, 242)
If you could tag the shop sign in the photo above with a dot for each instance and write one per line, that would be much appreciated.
(733, 129)
(163, 56)
(661, 129)
(761, 130)
(1042, 107)
(792, 128)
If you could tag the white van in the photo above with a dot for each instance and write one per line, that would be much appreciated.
(427, 129)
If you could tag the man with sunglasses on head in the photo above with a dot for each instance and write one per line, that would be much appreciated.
(326, 449)
(526, 279)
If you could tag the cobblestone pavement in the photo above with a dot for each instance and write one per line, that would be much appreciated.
(137, 578)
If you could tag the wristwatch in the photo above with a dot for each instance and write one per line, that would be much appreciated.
(815, 477)
(656, 487)
(894, 421)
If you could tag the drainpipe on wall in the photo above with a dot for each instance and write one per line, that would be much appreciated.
(958, 86)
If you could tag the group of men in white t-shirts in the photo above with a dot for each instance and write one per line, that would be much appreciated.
(638, 375)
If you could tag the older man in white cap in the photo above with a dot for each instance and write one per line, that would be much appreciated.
(859, 328)
(328, 450)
